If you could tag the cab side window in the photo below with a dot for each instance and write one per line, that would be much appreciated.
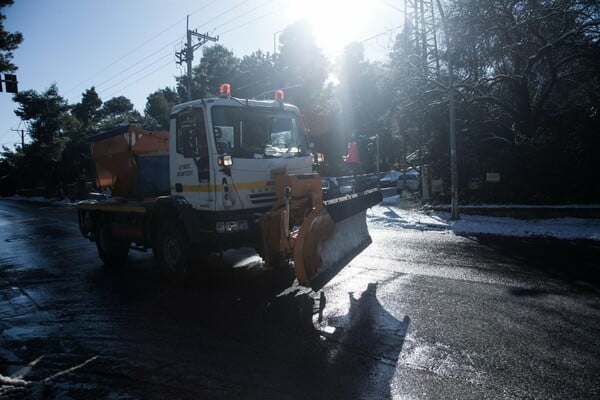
(191, 140)
(186, 134)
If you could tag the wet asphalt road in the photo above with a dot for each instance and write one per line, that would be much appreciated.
(417, 315)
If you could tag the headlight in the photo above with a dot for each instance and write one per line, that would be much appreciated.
(225, 161)
(232, 226)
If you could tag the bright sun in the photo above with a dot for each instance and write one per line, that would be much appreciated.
(335, 23)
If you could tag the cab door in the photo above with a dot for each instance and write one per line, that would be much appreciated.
(190, 162)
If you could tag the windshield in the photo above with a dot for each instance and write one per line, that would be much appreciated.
(246, 132)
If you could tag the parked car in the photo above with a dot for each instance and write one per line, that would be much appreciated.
(390, 179)
(409, 181)
(335, 187)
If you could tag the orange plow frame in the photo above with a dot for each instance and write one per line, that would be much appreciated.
(320, 237)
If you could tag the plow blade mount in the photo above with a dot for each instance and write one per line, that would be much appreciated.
(321, 237)
(331, 235)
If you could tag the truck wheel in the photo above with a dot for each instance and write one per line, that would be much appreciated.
(111, 252)
(173, 252)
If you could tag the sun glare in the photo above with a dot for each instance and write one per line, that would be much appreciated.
(335, 23)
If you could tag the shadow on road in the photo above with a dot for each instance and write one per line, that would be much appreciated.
(234, 333)
(360, 356)
(576, 263)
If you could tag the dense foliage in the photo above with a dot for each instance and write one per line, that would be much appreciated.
(8, 42)
(527, 89)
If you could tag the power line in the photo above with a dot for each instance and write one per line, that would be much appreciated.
(243, 14)
(252, 20)
(137, 72)
(223, 13)
(137, 48)
(386, 32)
(160, 49)
(139, 62)
(143, 77)
(120, 72)
(166, 55)
(387, 3)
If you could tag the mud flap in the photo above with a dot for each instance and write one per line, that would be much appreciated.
(331, 236)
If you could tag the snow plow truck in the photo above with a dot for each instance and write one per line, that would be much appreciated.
(229, 173)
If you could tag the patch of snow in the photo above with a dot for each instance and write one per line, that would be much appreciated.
(556, 206)
(7, 380)
(388, 214)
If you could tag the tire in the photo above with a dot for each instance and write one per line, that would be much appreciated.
(111, 252)
(172, 252)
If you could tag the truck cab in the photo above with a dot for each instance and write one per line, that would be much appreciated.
(225, 153)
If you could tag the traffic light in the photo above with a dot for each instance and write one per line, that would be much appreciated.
(10, 81)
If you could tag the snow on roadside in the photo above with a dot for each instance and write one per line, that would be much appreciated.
(388, 214)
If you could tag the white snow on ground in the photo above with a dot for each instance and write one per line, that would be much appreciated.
(389, 214)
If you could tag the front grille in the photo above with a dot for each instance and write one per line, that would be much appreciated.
(263, 198)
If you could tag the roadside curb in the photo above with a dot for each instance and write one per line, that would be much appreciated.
(526, 211)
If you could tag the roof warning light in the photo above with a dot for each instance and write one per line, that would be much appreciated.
(225, 89)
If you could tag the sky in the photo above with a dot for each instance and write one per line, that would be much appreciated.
(127, 47)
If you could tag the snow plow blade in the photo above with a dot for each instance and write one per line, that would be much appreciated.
(331, 236)
(321, 237)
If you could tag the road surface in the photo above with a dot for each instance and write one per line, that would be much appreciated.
(418, 315)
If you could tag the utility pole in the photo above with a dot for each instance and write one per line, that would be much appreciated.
(187, 55)
(22, 131)
(452, 116)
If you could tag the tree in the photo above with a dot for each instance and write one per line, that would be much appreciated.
(87, 111)
(48, 116)
(76, 158)
(359, 91)
(301, 65)
(118, 110)
(46, 112)
(256, 75)
(417, 112)
(528, 59)
(218, 65)
(8, 42)
(158, 107)
(531, 68)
